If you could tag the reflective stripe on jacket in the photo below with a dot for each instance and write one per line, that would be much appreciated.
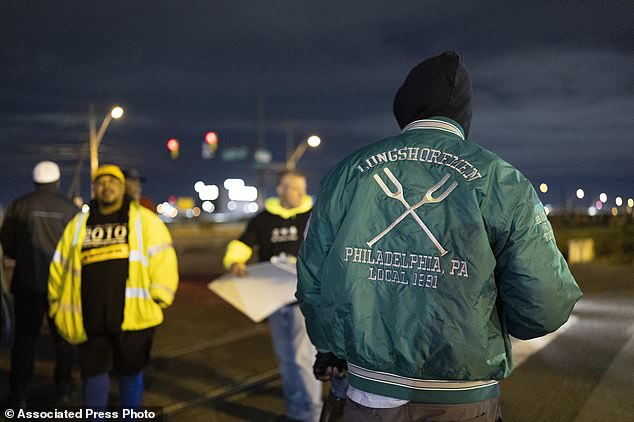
(151, 284)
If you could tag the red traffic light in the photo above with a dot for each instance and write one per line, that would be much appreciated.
(172, 145)
(211, 138)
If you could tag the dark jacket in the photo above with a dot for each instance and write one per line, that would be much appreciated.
(32, 226)
(426, 251)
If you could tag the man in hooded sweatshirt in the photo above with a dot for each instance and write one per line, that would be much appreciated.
(424, 253)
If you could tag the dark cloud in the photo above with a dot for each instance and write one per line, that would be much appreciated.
(552, 80)
(558, 105)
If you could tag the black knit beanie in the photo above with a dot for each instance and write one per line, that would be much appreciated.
(438, 86)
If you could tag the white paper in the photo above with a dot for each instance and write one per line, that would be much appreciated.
(267, 287)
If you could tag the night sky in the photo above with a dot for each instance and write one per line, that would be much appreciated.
(553, 84)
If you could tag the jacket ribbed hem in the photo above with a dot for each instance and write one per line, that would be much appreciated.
(422, 391)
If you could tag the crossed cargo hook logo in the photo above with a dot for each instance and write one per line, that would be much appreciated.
(410, 210)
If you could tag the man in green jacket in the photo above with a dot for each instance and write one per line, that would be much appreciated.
(424, 253)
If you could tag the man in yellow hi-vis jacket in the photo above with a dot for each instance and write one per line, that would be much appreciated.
(112, 273)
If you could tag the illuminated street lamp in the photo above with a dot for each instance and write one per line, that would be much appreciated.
(580, 193)
(543, 188)
(312, 141)
(97, 136)
(116, 112)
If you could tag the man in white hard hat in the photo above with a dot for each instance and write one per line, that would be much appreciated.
(31, 229)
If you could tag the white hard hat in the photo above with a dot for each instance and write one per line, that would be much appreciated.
(46, 172)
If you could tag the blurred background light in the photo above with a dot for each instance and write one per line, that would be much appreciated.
(230, 184)
(244, 193)
(208, 206)
(313, 141)
(547, 209)
(208, 193)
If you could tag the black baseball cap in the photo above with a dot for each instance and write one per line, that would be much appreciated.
(133, 173)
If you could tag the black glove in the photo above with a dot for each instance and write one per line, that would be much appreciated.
(325, 365)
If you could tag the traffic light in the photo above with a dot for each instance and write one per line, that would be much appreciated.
(210, 145)
(212, 139)
(173, 146)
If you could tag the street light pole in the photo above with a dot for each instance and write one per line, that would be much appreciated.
(97, 136)
(290, 127)
(313, 141)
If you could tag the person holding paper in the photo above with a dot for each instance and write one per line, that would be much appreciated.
(278, 230)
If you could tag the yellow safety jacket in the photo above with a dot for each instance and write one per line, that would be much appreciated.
(151, 283)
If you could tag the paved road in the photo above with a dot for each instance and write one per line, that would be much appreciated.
(210, 363)
(586, 373)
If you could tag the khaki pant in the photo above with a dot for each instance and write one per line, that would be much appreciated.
(482, 411)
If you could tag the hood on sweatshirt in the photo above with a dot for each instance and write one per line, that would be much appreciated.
(438, 86)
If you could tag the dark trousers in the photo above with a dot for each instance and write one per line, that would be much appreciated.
(126, 353)
(30, 309)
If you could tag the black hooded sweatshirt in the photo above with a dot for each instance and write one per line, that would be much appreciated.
(438, 86)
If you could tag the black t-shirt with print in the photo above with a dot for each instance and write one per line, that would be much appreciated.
(275, 235)
(105, 254)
